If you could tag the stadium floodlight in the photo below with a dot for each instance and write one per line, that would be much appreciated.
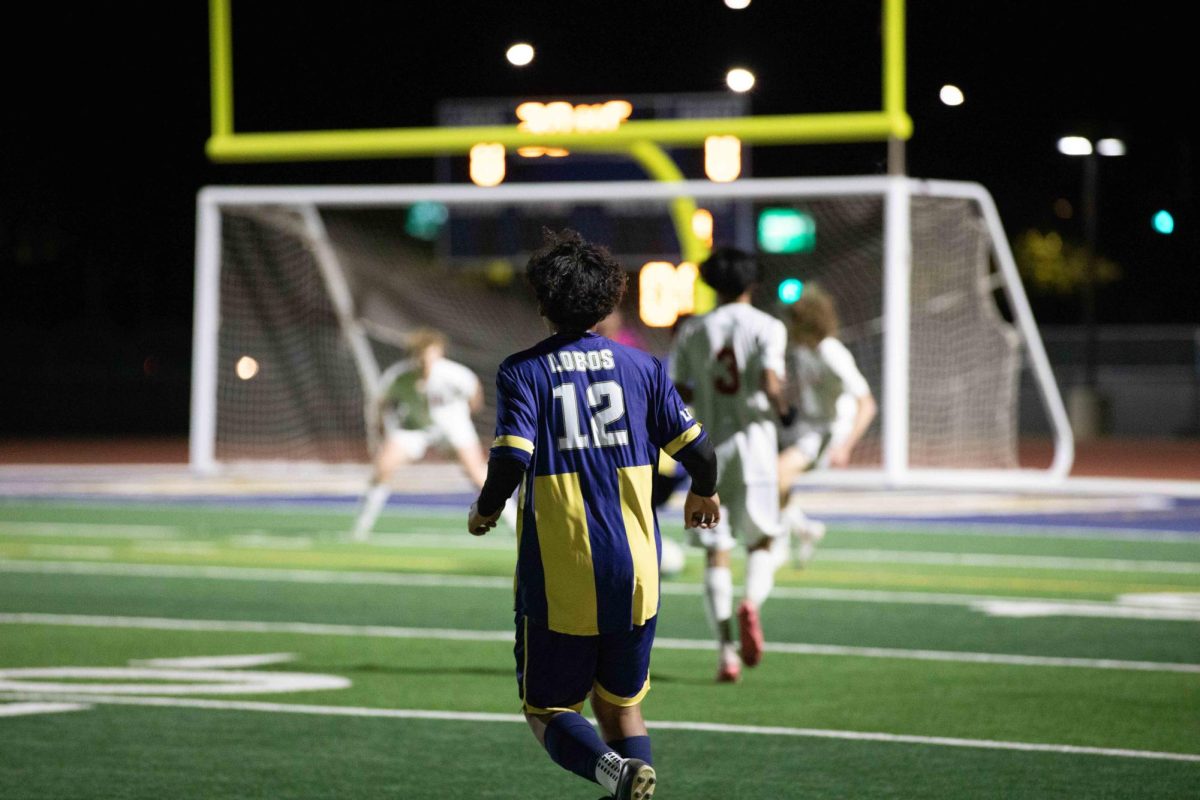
(246, 367)
(1110, 147)
(520, 54)
(1075, 146)
(740, 79)
(951, 95)
(737, 5)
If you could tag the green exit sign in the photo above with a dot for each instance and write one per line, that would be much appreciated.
(786, 230)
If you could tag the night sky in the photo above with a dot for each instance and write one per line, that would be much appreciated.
(108, 110)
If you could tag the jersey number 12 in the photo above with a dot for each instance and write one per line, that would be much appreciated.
(606, 399)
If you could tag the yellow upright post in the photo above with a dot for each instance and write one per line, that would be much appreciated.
(220, 67)
(893, 85)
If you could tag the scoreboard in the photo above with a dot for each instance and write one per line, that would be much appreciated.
(636, 231)
(559, 114)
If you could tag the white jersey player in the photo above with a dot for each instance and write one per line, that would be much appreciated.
(835, 407)
(425, 403)
(729, 364)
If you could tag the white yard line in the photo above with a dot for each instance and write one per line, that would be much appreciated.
(1014, 561)
(158, 680)
(704, 727)
(389, 632)
(316, 576)
(30, 709)
(1025, 609)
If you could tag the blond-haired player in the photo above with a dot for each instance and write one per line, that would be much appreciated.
(834, 403)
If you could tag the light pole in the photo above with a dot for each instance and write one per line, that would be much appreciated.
(1084, 401)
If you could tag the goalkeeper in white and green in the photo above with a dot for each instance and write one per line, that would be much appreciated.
(426, 403)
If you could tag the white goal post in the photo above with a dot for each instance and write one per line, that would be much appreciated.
(932, 303)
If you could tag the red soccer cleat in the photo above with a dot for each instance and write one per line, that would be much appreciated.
(729, 671)
(750, 632)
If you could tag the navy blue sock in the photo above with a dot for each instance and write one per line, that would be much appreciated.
(633, 747)
(574, 745)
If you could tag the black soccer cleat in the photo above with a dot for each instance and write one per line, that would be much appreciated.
(636, 781)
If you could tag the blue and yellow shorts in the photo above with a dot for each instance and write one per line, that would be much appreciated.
(556, 671)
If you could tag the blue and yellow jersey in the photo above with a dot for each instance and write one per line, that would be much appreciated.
(587, 416)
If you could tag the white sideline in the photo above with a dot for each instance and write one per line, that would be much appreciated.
(706, 727)
(388, 632)
(462, 581)
(29, 709)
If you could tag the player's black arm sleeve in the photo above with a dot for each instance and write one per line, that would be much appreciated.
(700, 461)
(503, 477)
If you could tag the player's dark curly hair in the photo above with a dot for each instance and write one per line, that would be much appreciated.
(577, 283)
(730, 271)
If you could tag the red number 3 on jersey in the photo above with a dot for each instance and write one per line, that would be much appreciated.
(731, 380)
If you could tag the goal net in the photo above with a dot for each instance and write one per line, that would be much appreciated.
(305, 295)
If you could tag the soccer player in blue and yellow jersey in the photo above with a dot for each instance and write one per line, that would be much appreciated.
(580, 421)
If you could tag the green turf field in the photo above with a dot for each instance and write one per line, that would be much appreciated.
(903, 664)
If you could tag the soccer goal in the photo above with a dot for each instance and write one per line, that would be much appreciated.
(304, 295)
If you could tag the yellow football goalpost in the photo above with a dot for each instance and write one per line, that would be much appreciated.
(641, 140)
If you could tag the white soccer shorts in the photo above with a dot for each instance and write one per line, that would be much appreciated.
(748, 484)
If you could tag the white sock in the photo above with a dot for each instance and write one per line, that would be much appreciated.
(718, 600)
(373, 503)
(608, 770)
(760, 575)
(793, 516)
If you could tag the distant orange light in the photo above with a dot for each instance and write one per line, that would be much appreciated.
(562, 117)
(722, 158)
(487, 164)
(702, 226)
(537, 152)
(656, 294)
(686, 275)
(665, 292)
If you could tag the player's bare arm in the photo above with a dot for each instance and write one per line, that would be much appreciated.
(477, 399)
(863, 416)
